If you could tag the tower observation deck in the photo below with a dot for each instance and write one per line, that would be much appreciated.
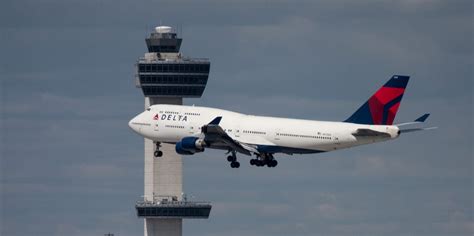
(165, 76)
(164, 72)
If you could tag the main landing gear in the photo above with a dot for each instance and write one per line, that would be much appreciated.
(233, 160)
(157, 152)
(264, 159)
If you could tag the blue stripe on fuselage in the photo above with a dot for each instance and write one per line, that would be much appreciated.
(276, 149)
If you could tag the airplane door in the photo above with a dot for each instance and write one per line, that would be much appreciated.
(156, 125)
(336, 141)
(237, 132)
(193, 128)
(276, 135)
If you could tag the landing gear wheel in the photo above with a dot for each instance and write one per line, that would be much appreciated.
(158, 153)
(269, 163)
(252, 162)
(231, 159)
(274, 163)
(235, 164)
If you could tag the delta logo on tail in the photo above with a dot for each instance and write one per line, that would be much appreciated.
(382, 107)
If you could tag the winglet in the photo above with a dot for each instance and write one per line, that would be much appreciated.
(216, 121)
(422, 118)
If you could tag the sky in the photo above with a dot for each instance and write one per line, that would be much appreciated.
(70, 165)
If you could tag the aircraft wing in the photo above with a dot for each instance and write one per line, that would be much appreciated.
(369, 133)
(214, 135)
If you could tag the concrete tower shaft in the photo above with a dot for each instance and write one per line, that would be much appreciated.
(163, 175)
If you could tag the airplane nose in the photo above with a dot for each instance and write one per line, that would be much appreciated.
(133, 124)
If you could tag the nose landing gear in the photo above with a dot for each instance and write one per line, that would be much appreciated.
(157, 152)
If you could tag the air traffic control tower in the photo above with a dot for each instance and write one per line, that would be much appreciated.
(166, 77)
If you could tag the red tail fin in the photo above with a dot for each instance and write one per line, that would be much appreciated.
(382, 107)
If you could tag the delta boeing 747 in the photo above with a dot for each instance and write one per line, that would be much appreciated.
(193, 129)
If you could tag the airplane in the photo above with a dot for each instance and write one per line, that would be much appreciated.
(193, 129)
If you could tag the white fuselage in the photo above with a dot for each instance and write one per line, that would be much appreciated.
(171, 123)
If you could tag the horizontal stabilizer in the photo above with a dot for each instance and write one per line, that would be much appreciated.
(369, 133)
(420, 119)
(402, 131)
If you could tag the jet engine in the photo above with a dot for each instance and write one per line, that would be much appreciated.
(190, 145)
